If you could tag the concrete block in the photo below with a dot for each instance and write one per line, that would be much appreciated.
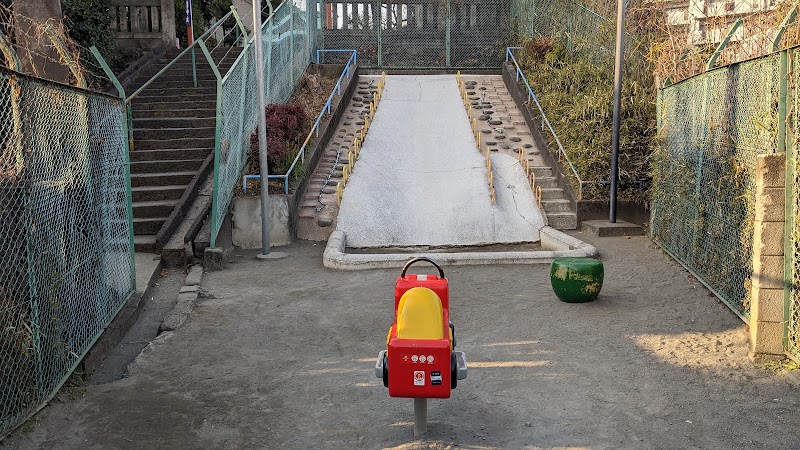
(180, 312)
(768, 238)
(604, 228)
(194, 288)
(766, 338)
(766, 305)
(770, 170)
(768, 272)
(214, 258)
(770, 203)
(195, 276)
(247, 222)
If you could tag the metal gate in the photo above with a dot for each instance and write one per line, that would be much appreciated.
(421, 34)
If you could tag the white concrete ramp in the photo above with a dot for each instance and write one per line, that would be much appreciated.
(420, 179)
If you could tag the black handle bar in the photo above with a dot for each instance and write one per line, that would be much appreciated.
(422, 258)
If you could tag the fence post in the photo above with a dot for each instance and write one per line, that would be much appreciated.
(380, 31)
(215, 222)
(713, 60)
(447, 37)
(291, 45)
(767, 291)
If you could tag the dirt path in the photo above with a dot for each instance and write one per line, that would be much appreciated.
(283, 356)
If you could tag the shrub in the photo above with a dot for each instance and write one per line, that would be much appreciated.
(286, 130)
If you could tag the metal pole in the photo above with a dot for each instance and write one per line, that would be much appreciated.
(262, 127)
(617, 99)
(420, 416)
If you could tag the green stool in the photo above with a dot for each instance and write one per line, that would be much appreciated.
(576, 280)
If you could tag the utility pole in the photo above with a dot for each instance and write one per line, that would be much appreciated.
(262, 135)
(621, 4)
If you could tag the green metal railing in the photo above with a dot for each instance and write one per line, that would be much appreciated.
(66, 234)
(289, 38)
(347, 72)
(562, 154)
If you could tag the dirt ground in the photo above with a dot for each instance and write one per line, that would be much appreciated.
(282, 357)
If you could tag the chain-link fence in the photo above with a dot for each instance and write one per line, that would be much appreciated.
(712, 128)
(66, 242)
(418, 34)
(792, 247)
(289, 38)
(584, 31)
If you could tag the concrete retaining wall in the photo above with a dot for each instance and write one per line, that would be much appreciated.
(246, 213)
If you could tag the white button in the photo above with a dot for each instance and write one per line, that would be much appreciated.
(414, 358)
(430, 359)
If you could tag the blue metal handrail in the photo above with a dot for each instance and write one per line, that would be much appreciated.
(337, 90)
(545, 120)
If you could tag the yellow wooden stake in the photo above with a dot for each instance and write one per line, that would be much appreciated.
(338, 194)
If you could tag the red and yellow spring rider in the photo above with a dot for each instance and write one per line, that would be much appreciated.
(419, 361)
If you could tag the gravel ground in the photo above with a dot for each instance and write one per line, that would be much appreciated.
(282, 357)
(420, 180)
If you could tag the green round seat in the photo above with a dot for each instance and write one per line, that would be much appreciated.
(576, 280)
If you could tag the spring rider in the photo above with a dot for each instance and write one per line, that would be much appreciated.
(419, 361)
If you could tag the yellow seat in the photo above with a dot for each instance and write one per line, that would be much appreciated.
(419, 315)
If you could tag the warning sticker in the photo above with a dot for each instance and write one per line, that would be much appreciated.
(419, 378)
(436, 378)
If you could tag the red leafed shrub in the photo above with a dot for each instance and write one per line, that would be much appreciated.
(286, 130)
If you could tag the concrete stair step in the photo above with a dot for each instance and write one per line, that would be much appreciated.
(148, 225)
(173, 110)
(154, 143)
(157, 105)
(144, 243)
(547, 182)
(542, 171)
(161, 178)
(180, 91)
(168, 80)
(162, 134)
(153, 96)
(156, 193)
(184, 165)
(563, 221)
(307, 213)
(158, 208)
(169, 154)
(552, 193)
(174, 122)
(556, 205)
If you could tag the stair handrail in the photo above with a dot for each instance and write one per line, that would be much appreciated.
(545, 121)
(337, 90)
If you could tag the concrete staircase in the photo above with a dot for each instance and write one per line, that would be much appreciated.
(173, 133)
(315, 222)
(555, 203)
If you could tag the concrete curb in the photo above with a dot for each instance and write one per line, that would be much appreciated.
(556, 243)
(187, 297)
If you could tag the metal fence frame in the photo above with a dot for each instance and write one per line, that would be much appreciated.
(289, 38)
(418, 34)
(67, 264)
(711, 128)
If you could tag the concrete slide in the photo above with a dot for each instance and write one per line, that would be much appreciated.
(420, 180)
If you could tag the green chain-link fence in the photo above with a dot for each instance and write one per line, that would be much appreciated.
(584, 31)
(418, 34)
(792, 248)
(712, 128)
(66, 241)
(289, 38)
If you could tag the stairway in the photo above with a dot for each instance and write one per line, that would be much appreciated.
(173, 138)
(318, 209)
